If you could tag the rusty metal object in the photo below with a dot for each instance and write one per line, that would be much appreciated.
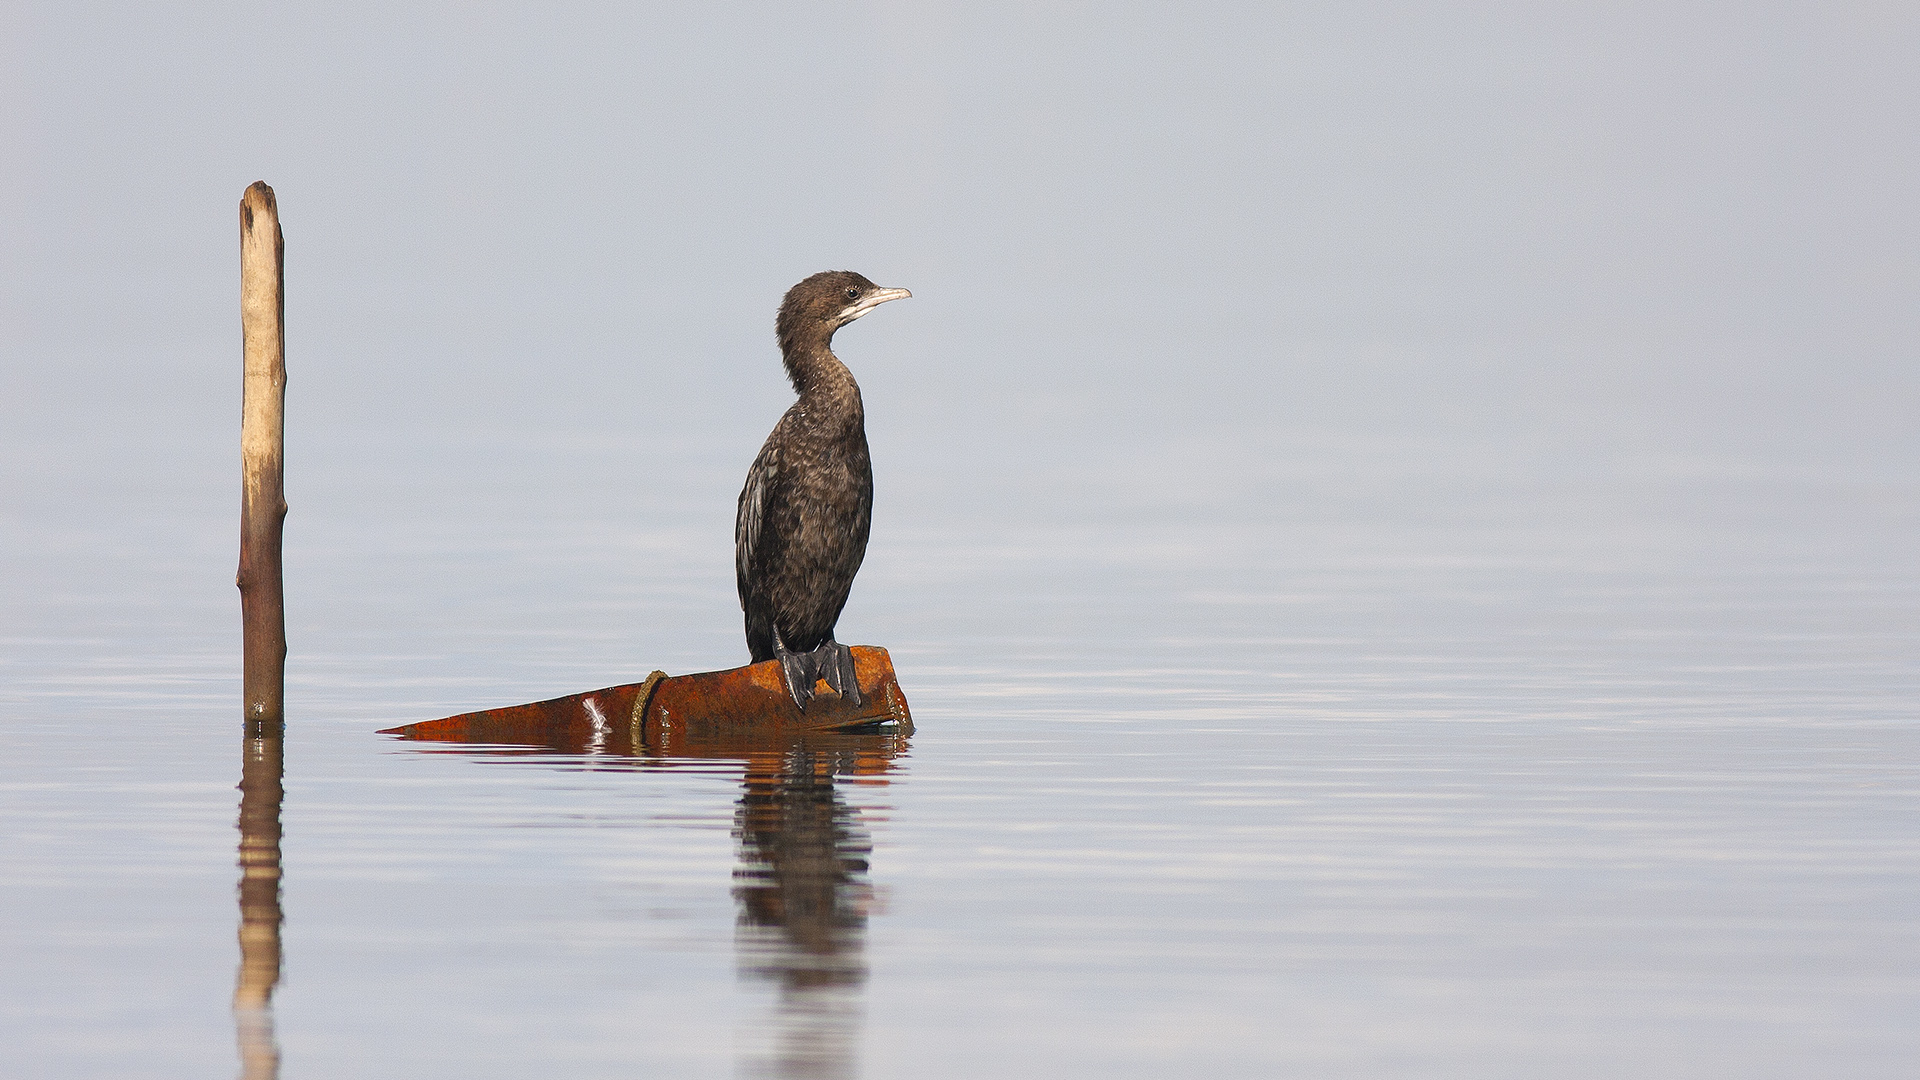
(690, 715)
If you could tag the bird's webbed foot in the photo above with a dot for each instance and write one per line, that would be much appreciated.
(836, 666)
(798, 668)
(830, 660)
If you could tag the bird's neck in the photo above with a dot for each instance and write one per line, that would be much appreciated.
(827, 390)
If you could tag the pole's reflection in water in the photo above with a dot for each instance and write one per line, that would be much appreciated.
(262, 766)
(801, 890)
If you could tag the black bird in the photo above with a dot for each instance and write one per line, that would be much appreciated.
(808, 503)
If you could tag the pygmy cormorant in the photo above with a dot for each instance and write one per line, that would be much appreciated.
(808, 502)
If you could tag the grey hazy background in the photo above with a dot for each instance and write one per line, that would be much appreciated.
(1398, 522)
(1163, 257)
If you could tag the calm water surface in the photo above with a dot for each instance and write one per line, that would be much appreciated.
(1379, 765)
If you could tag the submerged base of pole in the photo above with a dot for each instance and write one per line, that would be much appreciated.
(662, 712)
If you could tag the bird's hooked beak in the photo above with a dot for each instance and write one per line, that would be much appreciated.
(870, 301)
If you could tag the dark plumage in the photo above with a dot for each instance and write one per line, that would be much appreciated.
(808, 502)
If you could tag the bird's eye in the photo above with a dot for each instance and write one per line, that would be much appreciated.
(853, 291)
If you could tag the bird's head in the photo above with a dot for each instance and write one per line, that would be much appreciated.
(827, 301)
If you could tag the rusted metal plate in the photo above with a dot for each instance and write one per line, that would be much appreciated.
(681, 713)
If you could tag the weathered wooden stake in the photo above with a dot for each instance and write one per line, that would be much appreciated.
(263, 505)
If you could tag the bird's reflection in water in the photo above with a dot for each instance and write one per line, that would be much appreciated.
(803, 898)
(262, 766)
(801, 889)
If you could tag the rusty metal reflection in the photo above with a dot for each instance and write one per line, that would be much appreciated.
(803, 896)
(801, 889)
(262, 768)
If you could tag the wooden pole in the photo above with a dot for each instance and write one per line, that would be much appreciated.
(263, 505)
